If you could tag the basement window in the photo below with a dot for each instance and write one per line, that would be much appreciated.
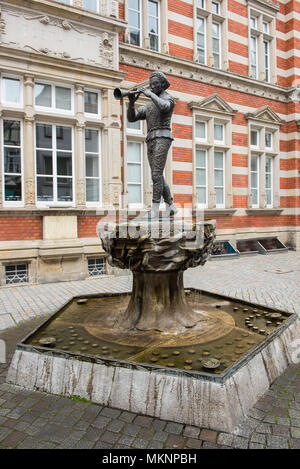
(16, 273)
(96, 267)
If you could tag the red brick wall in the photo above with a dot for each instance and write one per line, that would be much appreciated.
(86, 226)
(18, 228)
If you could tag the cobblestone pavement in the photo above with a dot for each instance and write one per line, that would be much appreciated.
(39, 420)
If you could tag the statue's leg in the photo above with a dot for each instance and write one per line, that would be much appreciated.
(160, 152)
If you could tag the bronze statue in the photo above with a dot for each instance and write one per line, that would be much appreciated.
(158, 115)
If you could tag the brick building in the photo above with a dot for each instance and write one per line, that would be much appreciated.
(67, 153)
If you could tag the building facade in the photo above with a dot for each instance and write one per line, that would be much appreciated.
(68, 154)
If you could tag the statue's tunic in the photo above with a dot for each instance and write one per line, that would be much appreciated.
(158, 121)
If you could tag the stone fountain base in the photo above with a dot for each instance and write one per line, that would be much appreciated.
(193, 397)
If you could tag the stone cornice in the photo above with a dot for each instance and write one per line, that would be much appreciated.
(266, 115)
(72, 13)
(264, 211)
(66, 66)
(150, 60)
(267, 5)
(213, 103)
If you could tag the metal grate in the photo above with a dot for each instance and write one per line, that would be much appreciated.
(17, 273)
(96, 267)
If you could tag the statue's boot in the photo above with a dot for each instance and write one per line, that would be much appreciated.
(171, 210)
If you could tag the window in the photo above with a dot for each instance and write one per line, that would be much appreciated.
(254, 138)
(53, 97)
(201, 4)
(201, 177)
(54, 164)
(219, 133)
(91, 5)
(269, 178)
(12, 162)
(134, 22)
(254, 180)
(219, 171)
(267, 60)
(134, 173)
(96, 267)
(92, 166)
(262, 48)
(66, 2)
(153, 27)
(215, 8)
(11, 91)
(210, 33)
(269, 140)
(201, 49)
(17, 273)
(201, 130)
(134, 126)
(92, 102)
(253, 56)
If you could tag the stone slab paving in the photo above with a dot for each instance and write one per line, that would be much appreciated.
(39, 420)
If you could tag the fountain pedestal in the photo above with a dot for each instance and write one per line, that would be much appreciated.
(157, 252)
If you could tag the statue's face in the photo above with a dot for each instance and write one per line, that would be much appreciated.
(156, 85)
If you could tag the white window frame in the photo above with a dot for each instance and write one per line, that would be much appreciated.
(202, 6)
(199, 139)
(55, 202)
(216, 150)
(258, 138)
(141, 24)
(272, 140)
(159, 27)
(91, 114)
(257, 173)
(220, 48)
(205, 41)
(53, 108)
(267, 68)
(98, 203)
(139, 204)
(199, 204)
(13, 203)
(271, 178)
(223, 132)
(10, 103)
(253, 19)
(87, 9)
(132, 131)
(253, 65)
(215, 2)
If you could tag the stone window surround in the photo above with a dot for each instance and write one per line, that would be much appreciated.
(263, 14)
(7, 103)
(210, 146)
(262, 152)
(31, 272)
(140, 136)
(163, 27)
(99, 203)
(6, 203)
(53, 109)
(55, 176)
(209, 19)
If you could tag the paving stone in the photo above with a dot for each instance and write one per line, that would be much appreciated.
(158, 424)
(77, 434)
(280, 430)
(295, 432)
(294, 444)
(115, 426)
(16, 413)
(155, 445)
(240, 442)
(140, 443)
(109, 437)
(257, 414)
(174, 441)
(193, 443)
(4, 432)
(279, 412)
(160, 436)
(295, 422)
(277, 442)
(294, 413)
(103, 445)
(131, 429)
(175, 428)
(191, 432)
(127, 416)
(225, 439)
(143, 421)
(101, 422)
(253, 445)
(283, 421)
(258, 438)
(81, 425)
(13, 439)
(84, 444)
(146, 433)
(126, 440)
(69, 443)
(243, 430)
(208, 435)
(263, 428)
(111, 413)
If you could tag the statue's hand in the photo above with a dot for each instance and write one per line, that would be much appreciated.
(133, 97)
(146, 92)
